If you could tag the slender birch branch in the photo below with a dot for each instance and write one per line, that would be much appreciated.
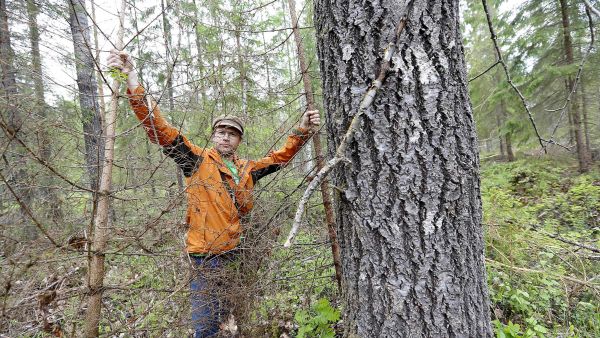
(325, 194)
(592, 8)
(101, 219)
(340, 154)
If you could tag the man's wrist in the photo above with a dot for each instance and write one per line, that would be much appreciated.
(300, 131)
(132, 80)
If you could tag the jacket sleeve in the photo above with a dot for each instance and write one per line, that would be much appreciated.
(279, 158)
(159, 131)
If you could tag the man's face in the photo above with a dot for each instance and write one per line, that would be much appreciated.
(226, 140)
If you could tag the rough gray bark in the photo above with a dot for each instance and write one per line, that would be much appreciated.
(88, 91)
(409, 207)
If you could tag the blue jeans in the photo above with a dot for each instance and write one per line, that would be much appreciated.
(208, 308)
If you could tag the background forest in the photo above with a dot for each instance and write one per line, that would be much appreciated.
(535, 93)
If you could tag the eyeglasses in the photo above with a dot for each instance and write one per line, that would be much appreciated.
(226, 133)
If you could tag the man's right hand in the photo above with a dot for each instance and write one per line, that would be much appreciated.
(123, 62)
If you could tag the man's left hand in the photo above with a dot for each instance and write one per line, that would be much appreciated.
(310, 120)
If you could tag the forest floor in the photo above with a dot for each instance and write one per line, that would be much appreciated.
(542, 225)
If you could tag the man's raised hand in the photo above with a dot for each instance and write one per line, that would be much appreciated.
(310, 120)
(123, 62)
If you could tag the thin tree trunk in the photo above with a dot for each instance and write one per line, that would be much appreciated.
(199, 57)
(100, 83)
(140, 73)
(510, 156)
(582, 154)
(267, 70)
(409, 206)
(14, 121)
(310, 102)
(48, 194)
(102, 220)
(87, 85)
(170, 69)
(500, 135)
(242, 72)
(586, 125)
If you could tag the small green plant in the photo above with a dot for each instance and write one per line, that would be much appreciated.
(118, 75)
(318, 322)
(510, 330)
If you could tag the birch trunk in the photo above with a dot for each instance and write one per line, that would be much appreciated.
(102, 219)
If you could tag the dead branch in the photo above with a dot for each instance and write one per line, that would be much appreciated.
(29, 213)
(340, 154)
(485, 71)
(500, 59)
(583, 246)
(591, 8)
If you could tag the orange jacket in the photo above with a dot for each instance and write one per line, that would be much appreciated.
(215, 202)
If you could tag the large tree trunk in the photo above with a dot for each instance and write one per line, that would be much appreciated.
(409, 207)
(88, 91)
(582, 154)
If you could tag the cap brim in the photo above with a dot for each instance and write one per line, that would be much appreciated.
(226, 123)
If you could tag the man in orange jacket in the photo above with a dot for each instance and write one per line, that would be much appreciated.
(218, 185)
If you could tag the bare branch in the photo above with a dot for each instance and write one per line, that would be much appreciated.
(485, 71)
(578, 77)
(340, 153)
(591, 8)
(508, 77)
(29, 213)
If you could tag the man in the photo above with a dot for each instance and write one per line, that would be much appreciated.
(218, 187)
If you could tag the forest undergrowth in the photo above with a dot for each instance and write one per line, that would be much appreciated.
(542, 225)
(542, 221)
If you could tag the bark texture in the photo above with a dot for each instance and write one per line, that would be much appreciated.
(409, 207)
(88, 91)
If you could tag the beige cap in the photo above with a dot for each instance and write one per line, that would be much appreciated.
(229, 121)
